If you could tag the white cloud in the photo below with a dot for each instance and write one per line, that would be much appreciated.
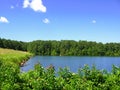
(46, 21)
(36, 5)
(94, 21)
(26, 3)
(12, 7)
(3, 20)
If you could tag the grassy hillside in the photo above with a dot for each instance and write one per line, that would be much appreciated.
(13, 56)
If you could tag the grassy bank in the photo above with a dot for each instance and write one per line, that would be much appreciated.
(13, 56)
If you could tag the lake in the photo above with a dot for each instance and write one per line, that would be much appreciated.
(73, 62)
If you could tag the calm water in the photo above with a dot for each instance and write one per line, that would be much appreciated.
(73, 62)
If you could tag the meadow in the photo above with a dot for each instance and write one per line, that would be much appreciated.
(13, 56)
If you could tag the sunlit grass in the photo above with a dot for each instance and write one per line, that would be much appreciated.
(10, 51)
(13, 56)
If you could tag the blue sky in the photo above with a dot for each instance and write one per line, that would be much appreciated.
(91, 20)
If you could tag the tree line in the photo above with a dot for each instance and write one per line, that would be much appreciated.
(73, 48)
(13, 44)
(64, 47)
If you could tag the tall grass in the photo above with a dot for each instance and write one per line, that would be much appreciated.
(13, 56)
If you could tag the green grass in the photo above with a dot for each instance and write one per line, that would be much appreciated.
(13, 56)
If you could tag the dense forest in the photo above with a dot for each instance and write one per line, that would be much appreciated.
(63, 47)
(12, 44)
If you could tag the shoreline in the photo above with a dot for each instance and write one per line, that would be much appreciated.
(22, 64)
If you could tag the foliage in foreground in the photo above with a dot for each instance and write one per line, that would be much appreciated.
(47, 79)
